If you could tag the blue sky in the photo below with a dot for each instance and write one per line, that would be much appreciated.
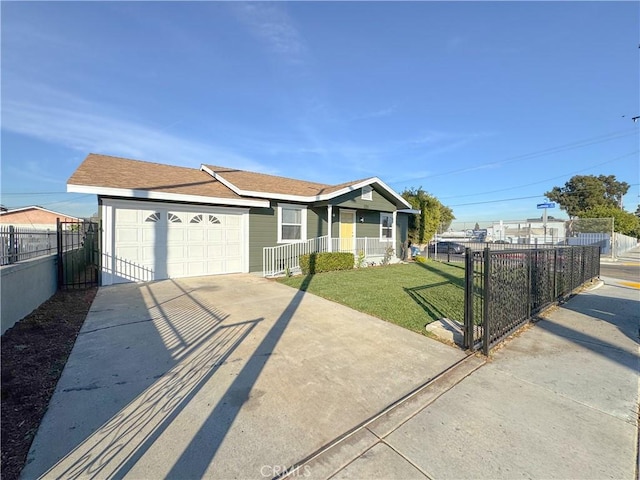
(480, 104)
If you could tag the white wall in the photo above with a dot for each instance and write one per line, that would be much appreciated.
(24, 286)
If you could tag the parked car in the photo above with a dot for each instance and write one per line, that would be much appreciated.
(446, 247)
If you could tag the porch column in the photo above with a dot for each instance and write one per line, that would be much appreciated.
(329, 224)
(393, 231)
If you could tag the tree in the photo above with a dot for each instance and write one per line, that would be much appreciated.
(433, 215)
(623, 222)
(476, 227)
(584, 192)
(446, 217)
(637, 214)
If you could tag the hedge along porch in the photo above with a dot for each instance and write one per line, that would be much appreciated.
(162, 221)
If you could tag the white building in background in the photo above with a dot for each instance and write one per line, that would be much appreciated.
(529, 231)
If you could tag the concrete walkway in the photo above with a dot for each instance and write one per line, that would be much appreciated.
(558, 401)
(220, 377)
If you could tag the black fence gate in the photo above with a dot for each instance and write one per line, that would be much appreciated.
(78, 254)
(504, 288)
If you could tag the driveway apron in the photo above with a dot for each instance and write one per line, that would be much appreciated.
(229, 376)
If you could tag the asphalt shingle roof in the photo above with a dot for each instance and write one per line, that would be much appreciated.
(263, 183)
(107, 171)
(116, 172)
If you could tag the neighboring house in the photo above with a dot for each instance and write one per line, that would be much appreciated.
(162, 221)
(34, 217)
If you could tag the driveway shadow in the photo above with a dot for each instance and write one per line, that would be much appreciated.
(143, 352)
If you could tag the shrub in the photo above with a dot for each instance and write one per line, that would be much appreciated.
(420, 259)
(388, 253)
(325, 262)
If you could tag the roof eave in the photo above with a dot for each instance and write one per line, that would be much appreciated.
(156, 195)
(400, 202)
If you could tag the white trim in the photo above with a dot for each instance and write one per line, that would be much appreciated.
(108, 244)
(221, 179)
(303, 220)
(409, 210)
(175, 207)
(329, 226)
(302, 198)
(171, 197)
(393, 226)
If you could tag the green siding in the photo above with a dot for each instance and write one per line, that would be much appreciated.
(263, 227)
(353, 200)
(370, 227)
(402, 232)
(335, 223)
(263, 232)
(316, 222)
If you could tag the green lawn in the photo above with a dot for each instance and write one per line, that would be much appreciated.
(409, 295)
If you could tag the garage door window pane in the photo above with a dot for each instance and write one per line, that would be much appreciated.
(154, 217)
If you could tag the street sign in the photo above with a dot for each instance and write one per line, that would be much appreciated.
(547, 205)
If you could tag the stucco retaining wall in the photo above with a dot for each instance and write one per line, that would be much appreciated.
(24, 286)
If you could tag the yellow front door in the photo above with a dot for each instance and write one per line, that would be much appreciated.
(347, 230)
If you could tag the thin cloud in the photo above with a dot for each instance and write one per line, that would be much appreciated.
(382, 112)
(435, 142)
(73, 123)
(271, 24)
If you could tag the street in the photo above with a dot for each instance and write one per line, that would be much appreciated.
(628, 271)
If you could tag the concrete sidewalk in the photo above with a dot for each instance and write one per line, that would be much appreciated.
(632, 255)
(558, 401)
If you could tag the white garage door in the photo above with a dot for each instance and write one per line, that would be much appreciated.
(158, 243)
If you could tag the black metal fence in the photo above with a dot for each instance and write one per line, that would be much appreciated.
(452, 257)
(78, 254)
(18, 244)
(504, 288)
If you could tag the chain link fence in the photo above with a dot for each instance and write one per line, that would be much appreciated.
(535, 232)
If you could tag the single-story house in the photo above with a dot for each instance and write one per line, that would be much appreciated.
(34, 217)
(161, 221)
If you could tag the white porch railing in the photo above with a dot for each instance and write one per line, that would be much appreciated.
(367, 245)
(277, 260)
(282, 258)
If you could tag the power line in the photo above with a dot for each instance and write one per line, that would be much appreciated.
(576, 192)
(32, 193)
(59, 201)
(560, 148)
(546, 180)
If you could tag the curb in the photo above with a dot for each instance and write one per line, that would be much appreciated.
(336, 454)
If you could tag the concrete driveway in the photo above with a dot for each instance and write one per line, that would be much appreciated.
(220, 377)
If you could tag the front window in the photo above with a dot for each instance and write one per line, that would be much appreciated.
(386, 226)
(292, 223)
